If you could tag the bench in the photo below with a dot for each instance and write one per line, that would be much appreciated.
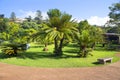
(104, 60)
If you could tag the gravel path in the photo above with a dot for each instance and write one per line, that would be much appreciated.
(13, 72)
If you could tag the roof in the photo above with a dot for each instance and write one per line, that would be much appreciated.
(111, 34)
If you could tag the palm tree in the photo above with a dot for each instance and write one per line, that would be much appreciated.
(87, 37)
(59, 27)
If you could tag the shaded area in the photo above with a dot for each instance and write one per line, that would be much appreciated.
(35, 52)
(96, 63)
(37, 55)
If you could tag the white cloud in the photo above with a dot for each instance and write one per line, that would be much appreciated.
(44, 15)
(31, 13)
(95, 20)
(27, 13)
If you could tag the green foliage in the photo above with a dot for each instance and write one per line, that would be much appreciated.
(115, 18)
(59, 27)
(114, 30)
(54, 13)
(4, 36)
(3, 24)
(38, 17)
(28, 25)
(13, 31)
(115, 11)
(12, 49)
(35, 57)
(87, 37)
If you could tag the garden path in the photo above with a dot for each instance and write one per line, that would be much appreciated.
(13, 72)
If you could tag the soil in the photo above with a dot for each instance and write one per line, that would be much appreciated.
(13, 72)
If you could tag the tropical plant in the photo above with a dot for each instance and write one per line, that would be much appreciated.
(59, 27)
(87, 37)
(40, 36)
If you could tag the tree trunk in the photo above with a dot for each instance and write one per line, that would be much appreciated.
(83, 51)
(93, 46)
(61, 46)
(58, 48)
(55, 47)
(45, 48)
(15, 50)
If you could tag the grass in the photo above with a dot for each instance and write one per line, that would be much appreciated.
(35, 57)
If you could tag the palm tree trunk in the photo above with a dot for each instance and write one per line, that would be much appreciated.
(93, 45)
(45, 48)
(61, 46)
(83, 51)
(55, 46)
(58, 48)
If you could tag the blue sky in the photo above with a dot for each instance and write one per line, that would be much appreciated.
(95, 11)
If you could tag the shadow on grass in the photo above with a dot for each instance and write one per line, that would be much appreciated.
(103, 49)
(74, 51)
(96, 63)
(37, 55)
(37, 46)
(72, 45)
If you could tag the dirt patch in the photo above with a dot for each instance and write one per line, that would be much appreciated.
(118, 54)
(13, 72)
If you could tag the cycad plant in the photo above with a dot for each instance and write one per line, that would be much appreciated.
(87, 37)
(59, 27)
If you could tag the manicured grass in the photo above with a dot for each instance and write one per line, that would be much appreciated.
(35, 57)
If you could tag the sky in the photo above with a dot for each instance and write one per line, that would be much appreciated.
(95, 11)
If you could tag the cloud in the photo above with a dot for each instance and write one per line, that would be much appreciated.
(27, 13)
(95, 20)
(44, 15)
(30, 13)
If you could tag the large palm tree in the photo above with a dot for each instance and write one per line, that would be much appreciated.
(59, 27)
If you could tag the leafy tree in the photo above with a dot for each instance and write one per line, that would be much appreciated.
(38, 17)
(29, 18)
(13, 31)
(87, 37)
(13, 17)
(114, 18)
(115, 13)
(4, 28)
(1, 15)
(29, 25)
(25, 35)
(3, 24)
(60, 27)
(113, 30)
(4, 36)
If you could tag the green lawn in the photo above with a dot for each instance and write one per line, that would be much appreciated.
(35, 57)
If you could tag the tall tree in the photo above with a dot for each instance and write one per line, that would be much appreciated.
(13, 17)
(87, 37)
(38, 17)
(29, 18)
(115, 13)
(114, 18)
(60, 27)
